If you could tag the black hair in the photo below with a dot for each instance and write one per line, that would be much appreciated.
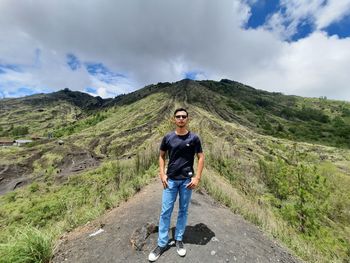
(180, 109)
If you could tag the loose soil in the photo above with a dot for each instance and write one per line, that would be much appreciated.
(76, 160)
(213, 234)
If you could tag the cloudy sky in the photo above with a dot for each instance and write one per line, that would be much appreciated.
(109, 47)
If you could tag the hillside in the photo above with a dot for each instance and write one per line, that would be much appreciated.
(304, 119)
(274, 156)
(43, 113)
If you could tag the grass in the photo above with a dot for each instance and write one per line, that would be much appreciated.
(291, 117)
(11, 154)
(42, 205)
(262, 216)
(27, 245)
(233, 178)
(55, 209)
(47, 162)
(46, 117)
(124, 126)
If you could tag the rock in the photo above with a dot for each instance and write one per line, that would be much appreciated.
(213, 252)
(139, 236)
(214, 239)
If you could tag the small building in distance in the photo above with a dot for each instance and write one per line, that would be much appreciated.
(21, 142)
(6, 142)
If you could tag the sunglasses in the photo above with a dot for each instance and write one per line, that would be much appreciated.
(180, 116)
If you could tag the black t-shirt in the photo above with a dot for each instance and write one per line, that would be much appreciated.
(181, 150)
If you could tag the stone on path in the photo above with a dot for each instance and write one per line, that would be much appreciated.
(139, 236)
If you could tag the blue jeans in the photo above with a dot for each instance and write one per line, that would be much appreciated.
(168, 200)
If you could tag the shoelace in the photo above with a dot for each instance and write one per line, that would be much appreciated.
(179, 244)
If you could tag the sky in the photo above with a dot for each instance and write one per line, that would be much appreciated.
(111, 47)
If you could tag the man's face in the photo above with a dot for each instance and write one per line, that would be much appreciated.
(181, 118)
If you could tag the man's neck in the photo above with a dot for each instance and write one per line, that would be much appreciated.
(181, 131)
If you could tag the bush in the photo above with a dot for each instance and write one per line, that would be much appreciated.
(28, 245)
(34, 187)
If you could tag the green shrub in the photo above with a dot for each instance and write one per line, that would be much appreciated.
(34, 187)
(27, 245)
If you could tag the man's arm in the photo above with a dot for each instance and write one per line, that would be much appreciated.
(195, 180)
(162, 175)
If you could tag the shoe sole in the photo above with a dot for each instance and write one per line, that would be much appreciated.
(153, 259)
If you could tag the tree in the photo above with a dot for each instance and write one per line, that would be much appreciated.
(300, 190)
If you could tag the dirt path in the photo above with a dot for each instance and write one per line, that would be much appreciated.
(213, 234)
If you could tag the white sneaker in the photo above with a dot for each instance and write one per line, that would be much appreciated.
(155, 254)
(180, 248)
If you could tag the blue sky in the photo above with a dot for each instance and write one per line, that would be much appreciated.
(340, 29)
(294, 47)
(260, 11)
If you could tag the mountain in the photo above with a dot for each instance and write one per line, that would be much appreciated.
(304, 119)
(41, 113)
(280, 161)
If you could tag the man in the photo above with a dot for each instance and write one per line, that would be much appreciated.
(181, 146)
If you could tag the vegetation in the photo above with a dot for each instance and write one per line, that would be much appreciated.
(80, 125)
(28, 244)
(302, 119)
(308, 213)
(19, 130)
(301, 195)
(300, 192)
(51, 208)
(267, 158)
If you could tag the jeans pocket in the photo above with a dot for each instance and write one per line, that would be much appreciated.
(171, 183)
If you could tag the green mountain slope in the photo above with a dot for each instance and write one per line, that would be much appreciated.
(269, 157)
(42, 113)
(296, 118)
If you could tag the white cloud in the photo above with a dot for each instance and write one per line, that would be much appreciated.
(318, 13)
(102, 92)
(160, 40)
(334, 11)
(105, 90)
(293, 12)
(49, 72)
(315, 66)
